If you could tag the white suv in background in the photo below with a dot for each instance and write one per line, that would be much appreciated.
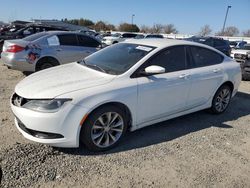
(241, 54)
(118, 37)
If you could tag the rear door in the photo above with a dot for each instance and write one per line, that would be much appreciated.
(69, 49)
(87, 45)
(206, 74)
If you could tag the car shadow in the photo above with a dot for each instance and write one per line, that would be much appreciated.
(175, 128)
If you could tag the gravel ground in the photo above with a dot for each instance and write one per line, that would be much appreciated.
(197, 150)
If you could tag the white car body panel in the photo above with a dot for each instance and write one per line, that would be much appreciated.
(168, 95)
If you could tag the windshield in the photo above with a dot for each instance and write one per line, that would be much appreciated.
(116, 35)
(246, 47)
(118, 58)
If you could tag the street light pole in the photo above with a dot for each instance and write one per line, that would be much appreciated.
(223, 28)
(133, 19)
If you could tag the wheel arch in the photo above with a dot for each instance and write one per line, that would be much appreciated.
(121, 105)
(46, 58)
(228, 83)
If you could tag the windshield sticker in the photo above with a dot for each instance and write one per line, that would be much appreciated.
(53, 41)
(144, 48)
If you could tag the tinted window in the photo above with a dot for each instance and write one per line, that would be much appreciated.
(219, 42)
(246, 47)
(68, 40)
(128, 35)
(172, 59)
(208, 42)
(154, 36)
(201, 57)
(87, 41)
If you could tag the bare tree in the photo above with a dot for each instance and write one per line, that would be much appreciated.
(169, 28)
(229, 31)
(157, 28)
(205, 30)
(128, 27)
(246, 33)
(145, 29)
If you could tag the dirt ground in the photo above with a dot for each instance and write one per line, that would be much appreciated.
(197, 150)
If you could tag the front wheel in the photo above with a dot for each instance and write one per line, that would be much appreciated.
(221, 99)
(104, 128)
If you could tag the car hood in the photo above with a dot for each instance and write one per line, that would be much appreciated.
(59, 80)
(240, 51)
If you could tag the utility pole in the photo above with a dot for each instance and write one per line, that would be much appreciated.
(133, 19)
(223, 28)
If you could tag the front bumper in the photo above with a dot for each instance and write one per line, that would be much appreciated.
(59, 129)
(13, 62)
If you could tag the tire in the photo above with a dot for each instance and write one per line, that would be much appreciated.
(104, 128)
(221, 99)
(45, 64)
(27, 73)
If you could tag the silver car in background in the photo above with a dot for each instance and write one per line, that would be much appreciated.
(47, 49)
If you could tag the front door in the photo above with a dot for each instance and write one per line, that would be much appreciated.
(164, 94)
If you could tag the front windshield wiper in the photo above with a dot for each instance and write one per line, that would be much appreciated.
(96, 67)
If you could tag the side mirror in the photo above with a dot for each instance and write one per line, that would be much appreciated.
(153, 69)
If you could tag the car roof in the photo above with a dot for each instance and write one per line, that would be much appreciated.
(48, 33)
(162, 43)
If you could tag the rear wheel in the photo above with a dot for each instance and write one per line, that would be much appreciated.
(46, 63)
(221, 99)
(104, 128)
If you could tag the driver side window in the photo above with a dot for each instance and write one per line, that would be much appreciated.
(172, 59)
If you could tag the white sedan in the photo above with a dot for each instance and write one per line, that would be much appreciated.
(123, 87)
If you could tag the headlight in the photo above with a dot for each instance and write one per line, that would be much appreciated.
(47, 106)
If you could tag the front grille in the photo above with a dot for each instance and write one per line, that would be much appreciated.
(18, 100)
(240, 56)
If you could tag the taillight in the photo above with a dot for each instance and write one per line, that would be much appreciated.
(14, 49)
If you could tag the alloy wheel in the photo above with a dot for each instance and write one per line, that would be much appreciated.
(107, 129)
(222, 100)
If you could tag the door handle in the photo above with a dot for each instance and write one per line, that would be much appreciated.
(216, 70)
(59, 49)
(184, 76)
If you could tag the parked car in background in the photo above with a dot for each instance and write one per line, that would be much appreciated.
(123, 87)
(139, 36)
(154, 36)
(237, 44)
(26, 31)
(218, 43)
(118, 37)
(47, 49)
(242, 56)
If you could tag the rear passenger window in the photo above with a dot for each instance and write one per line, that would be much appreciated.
(172, 59)
(87, 41)
(201, 57)
(68, 40)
